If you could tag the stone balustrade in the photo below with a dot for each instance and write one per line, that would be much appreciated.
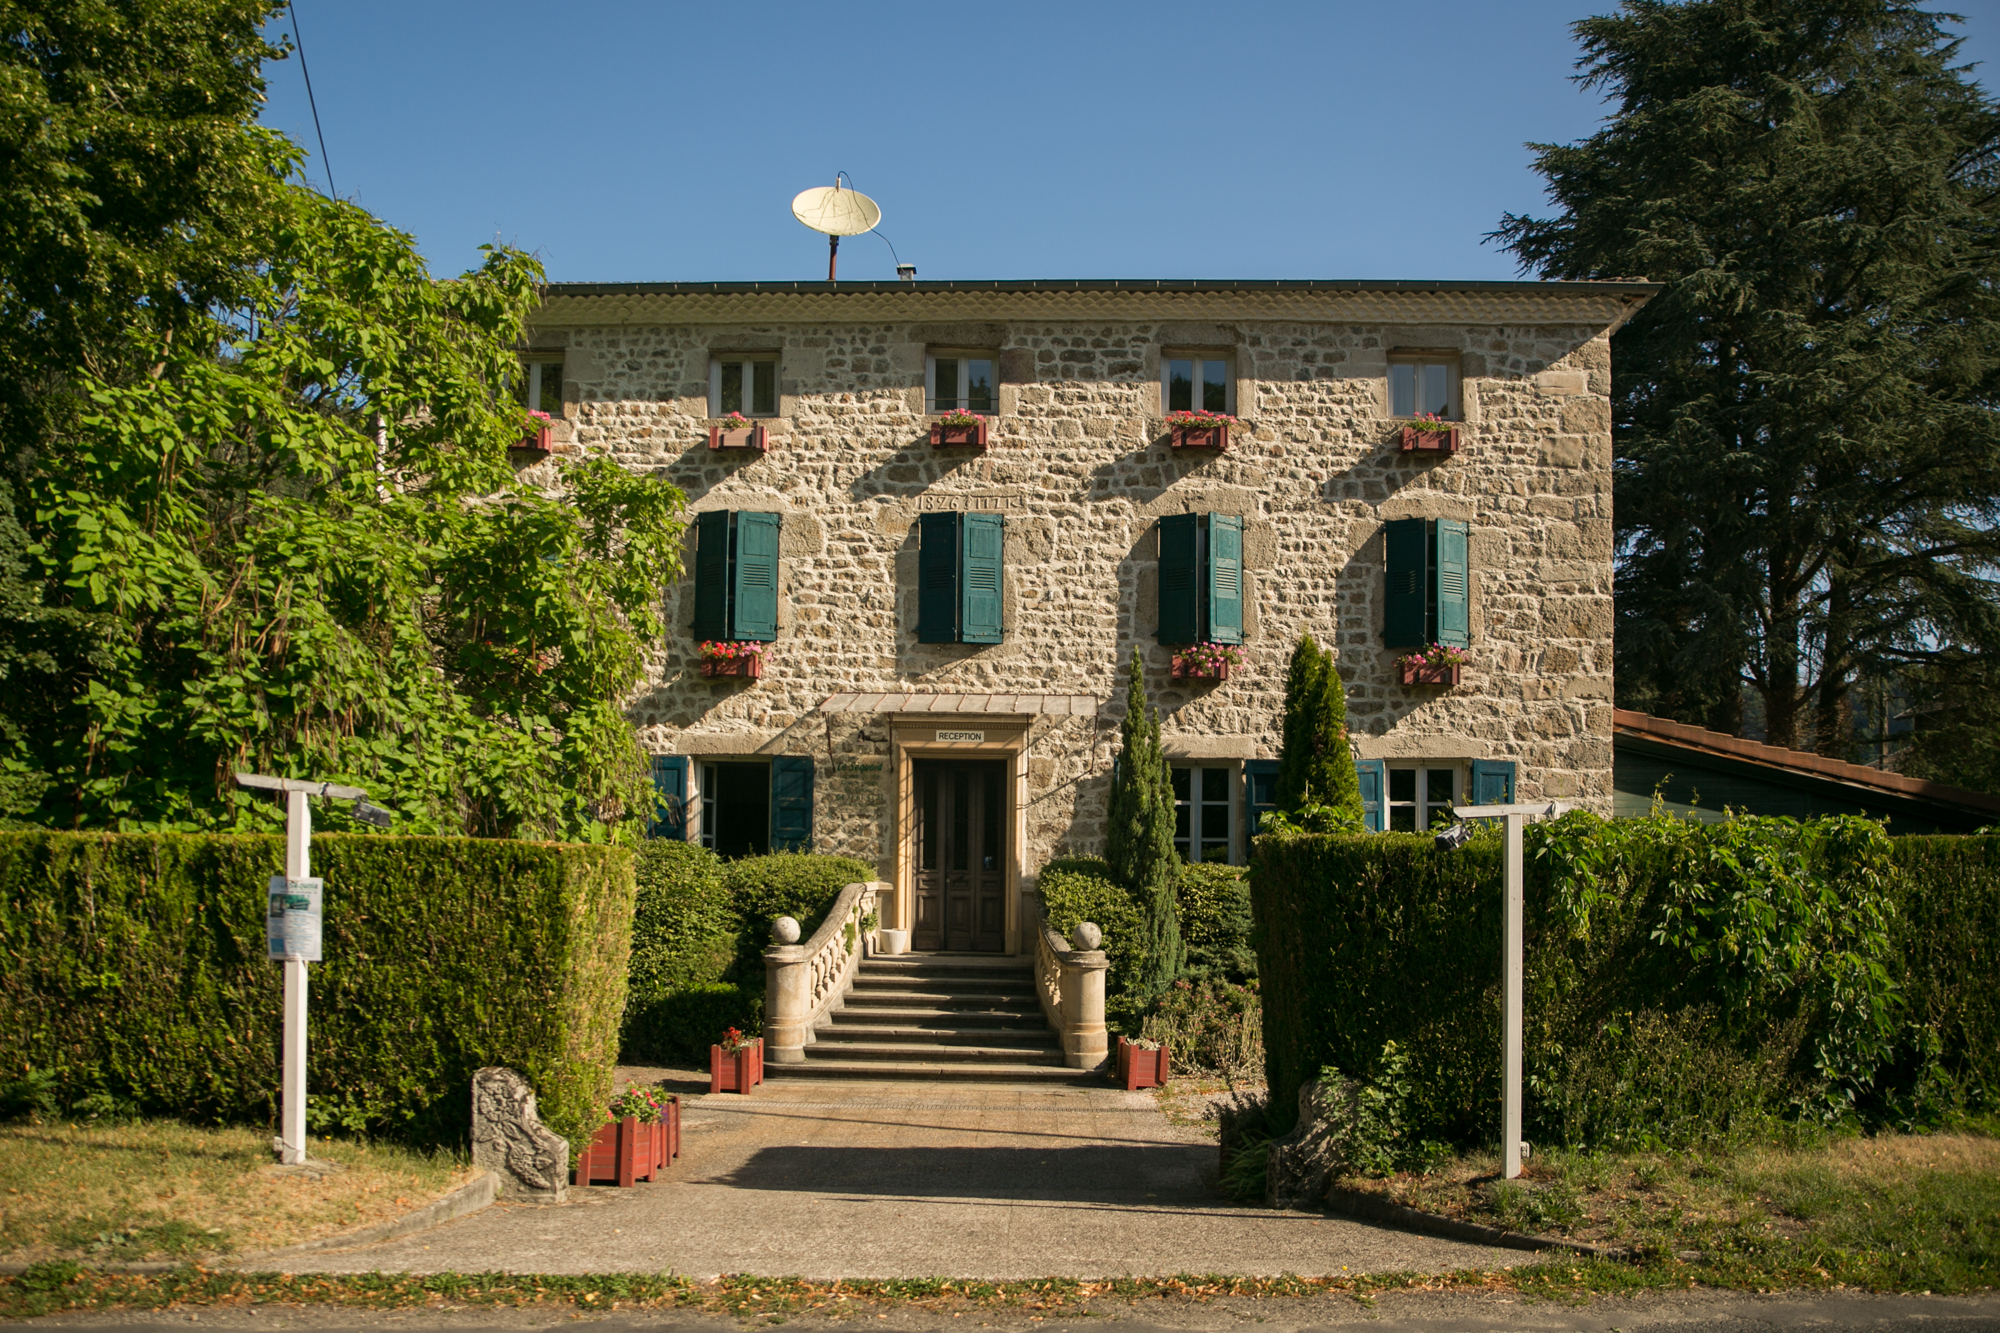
(804, 981)
(1070, 982)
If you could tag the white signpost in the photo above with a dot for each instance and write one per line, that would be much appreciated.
(1515, 819)
(292, 936)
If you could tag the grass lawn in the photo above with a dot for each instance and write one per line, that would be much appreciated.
(158, 1189)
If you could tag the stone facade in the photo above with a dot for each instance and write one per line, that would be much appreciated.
(1079, 465)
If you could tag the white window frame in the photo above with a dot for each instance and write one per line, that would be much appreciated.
(1200, 363)
(1417, 363)
(936, 403)
(532, 374)
(715, 365)
(1232, 788)
(1425, 805)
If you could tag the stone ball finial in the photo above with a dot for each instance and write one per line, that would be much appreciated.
(785, 931)
(1086, 936)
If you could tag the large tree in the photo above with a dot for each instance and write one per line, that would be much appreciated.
(1804, 422)
(262, 514)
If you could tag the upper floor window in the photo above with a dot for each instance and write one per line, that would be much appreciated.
(962, 382)
(1421, 385)
(960, 559)
(540, 387)
(1197, 384)
(1201, 579)
(1204, 813)
(1428, 593)
(746, 383)
(736, 576)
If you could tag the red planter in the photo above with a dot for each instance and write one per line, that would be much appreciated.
(1430, 441)
(630, 1150)
(1423, 673)
(536, 441)
(736, 1071)
(1185, 671)
(746, 668)
(743, 437)
(973, 436)
(1201, 437)
(1141, 1068)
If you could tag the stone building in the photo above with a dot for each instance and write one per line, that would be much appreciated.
(946, 627)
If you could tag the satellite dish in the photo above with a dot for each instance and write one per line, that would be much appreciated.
(838, 212)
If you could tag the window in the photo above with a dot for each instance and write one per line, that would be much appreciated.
(960, 568)
(746, 384)
(1204, 814)
(1428, 575)
(1196, 384)
(1201, 579)
(1423, 386)
(963, 382)
(736, 576)
(1421, 798)
(540, 388)
(753, 806)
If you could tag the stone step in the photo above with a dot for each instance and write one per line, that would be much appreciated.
(914, 1017)
(1013, 972)
(904, 1071)
(944, 999)
(931, 1052)
(876, 1033)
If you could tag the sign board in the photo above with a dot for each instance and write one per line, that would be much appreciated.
(292, 919)
(962, 737)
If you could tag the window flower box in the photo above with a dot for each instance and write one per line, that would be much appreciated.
(736, 1064)
(742, 661)
(1139, 1067)
(1206, 661)
(536, 438)
(1435, 665)
(1200, 430)
(1430, 435)
(737, 431)
(632, 1147)
(967, 429)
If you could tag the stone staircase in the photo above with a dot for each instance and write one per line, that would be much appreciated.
(943, 1016)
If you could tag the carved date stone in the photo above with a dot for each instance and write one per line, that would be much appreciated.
(509, 1139)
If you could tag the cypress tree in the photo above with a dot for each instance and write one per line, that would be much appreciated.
(1139, 844)
(1315, 764)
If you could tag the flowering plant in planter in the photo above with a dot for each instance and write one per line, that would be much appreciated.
(1200, 430)
(1142, 1064)
(1438, 664)
(1431, 423)
(1207, 661)
(1429, 433)
(730, 658)
(734, 1040)
(636, 1101)
(736, 1063)
(725, 650)
(959, 426)
(737, 431)
(540, 426)
(958, 416)
(642, 1136)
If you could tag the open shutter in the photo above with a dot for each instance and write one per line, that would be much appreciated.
(1369, 773)
(711, 575)
(937, 578)
(1225, 578)
(791, 803)
(1180, 586)
(1454, 570)
(1260, 793)
(670, 780)
(1493, 782)
(984, 543)
(1404, 541)
(756, 577)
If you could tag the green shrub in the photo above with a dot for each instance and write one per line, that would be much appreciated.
(800, 885)
(682, 1023)
(684, 941)
(1211, 1026)
(1215, 921)
(132, 970)
(1946, 938)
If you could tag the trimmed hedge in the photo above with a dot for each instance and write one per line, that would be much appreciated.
(1683, 980)
(134, 972)
(1214, 905)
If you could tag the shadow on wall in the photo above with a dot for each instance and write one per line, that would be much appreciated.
(1148, 1175)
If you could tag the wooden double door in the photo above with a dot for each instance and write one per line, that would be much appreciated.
(961, 855)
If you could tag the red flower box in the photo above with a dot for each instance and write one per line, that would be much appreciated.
(740, 437)
(1430, 441)
(1188, 671)
(974, 435)
(630, 1150)
(536, 441)
(1428, 673)
(750, 666)
(1201, 437)
(736, 1071)
(1139, 1068)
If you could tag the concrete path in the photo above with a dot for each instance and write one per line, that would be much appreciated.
(861, 1179)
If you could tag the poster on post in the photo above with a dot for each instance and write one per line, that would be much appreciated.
(292, 919)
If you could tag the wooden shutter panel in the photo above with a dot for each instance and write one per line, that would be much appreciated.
(1493, 782)
(1225, 578)
(670, 779)
(791, 803)
(1404, 542)
(1260, 793)
(1180, 585)
(937, 578)
(1369, 773)
(711, 574)
(756, 577)
(1454, 576)
(983, 544)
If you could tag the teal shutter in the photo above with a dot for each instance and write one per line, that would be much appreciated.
(1180, 579)
(756, 577)
(1225, 578)
(1369, 773)
(1260, 793)
(937, 578)
(1454, 572)
(1493, 782)
(670, 779)
(983, 540)
(791, 803)
(711, 575)
(1404, 541)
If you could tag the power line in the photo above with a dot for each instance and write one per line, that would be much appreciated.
(306, 70)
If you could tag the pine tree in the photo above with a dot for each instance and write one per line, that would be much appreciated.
(1139, 843)
(1315, 764)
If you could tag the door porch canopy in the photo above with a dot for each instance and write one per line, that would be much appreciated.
(1011, 705)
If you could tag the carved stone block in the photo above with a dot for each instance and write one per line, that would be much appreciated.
(510, 1140)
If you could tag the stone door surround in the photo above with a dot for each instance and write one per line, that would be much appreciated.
(986, 736)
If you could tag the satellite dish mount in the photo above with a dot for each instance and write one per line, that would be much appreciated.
(838, 212)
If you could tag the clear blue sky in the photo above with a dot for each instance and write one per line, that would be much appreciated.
(628, 141)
